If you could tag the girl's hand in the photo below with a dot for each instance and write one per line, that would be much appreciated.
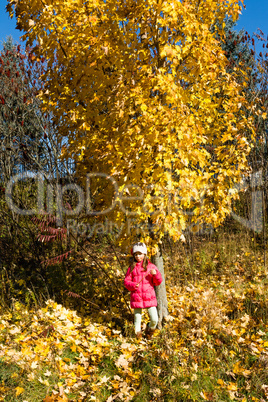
(153, 272)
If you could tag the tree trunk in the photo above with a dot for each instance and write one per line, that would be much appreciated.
(161, 295)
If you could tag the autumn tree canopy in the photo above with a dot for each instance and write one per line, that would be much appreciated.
(142, 93)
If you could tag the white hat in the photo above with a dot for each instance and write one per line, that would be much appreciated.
(139, 247)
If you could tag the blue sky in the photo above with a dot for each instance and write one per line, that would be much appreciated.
(255, 16)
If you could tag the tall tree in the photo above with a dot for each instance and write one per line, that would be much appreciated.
(28, 143)
(20, 123)
(26, 136)
(247, 54)
(140, 88)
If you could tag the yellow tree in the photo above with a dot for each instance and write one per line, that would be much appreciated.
(141, 92)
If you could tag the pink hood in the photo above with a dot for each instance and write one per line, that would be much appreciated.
(144, 295)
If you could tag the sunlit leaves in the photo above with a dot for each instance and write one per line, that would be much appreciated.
(142, 93)
(57, 340)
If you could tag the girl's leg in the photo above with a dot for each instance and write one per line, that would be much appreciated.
(137, 319)
(152, 311)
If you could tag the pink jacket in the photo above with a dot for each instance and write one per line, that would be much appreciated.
(144, 295)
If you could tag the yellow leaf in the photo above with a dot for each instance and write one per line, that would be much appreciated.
(19, 391)
(232, 386)
(73, 348)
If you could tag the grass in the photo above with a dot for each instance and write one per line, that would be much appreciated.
(214, 348)
(15, 380)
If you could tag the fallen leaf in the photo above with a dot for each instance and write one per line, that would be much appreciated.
(19, 391)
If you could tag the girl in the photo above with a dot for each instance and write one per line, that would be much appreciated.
(140, 279)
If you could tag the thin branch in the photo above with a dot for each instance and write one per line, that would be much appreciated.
(102, 269)
(115, 253)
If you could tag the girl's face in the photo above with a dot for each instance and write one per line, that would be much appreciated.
(139, 256)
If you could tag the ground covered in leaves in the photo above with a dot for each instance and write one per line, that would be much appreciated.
(213, 347)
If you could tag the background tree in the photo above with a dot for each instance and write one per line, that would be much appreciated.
(256, 93)
(248, 55)
(22, 126)
(27, 144)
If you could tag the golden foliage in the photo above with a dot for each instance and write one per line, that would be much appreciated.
(141, 92)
